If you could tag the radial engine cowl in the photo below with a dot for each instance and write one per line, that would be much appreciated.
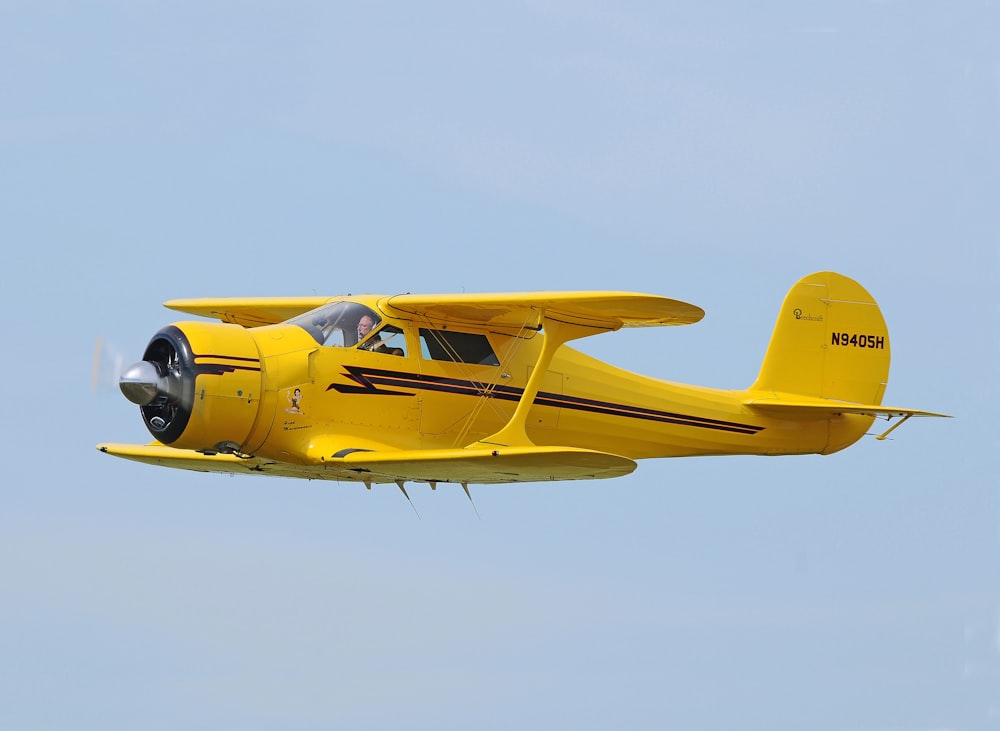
(198, 385)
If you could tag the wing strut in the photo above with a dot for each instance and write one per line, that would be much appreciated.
(554, 333)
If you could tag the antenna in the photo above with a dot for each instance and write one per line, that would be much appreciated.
(465, 486)
(399, 484)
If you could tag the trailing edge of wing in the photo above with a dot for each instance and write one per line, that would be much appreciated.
(605, 310)
(821, 408)
(484, 466)
(248, 311)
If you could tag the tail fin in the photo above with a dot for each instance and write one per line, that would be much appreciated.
(830, 342)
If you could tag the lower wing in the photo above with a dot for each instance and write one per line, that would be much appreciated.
(482, 466)
(474, 466)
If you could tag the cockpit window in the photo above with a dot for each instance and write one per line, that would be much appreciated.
(349, 325)
(340, 324)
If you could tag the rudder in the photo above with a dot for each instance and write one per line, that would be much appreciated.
(830, 341)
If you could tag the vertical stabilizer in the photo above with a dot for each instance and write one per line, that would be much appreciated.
(830, 341)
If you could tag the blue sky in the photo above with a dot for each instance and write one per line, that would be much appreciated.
(712, 152)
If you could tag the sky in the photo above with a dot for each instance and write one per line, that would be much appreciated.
(713, 152)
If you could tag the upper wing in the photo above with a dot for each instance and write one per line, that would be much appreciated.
(248, 311)
(605, 310)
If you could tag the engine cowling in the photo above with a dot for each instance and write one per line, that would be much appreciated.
(199, 386)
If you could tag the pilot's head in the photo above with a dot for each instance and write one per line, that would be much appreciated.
(365, 325)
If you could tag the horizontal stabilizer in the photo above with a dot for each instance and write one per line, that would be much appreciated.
(824, 408)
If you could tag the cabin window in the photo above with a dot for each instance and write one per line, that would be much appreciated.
(389, 339)
(457, 347)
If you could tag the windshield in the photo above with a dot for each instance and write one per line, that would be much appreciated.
(340, 324)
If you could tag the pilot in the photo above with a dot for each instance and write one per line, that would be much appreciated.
(375, 344)
(365, 325)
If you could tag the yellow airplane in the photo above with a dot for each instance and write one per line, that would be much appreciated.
(479, 388)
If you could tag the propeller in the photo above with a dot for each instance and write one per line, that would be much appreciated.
(161, 384)
(109, 364)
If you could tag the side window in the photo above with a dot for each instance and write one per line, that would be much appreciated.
(389, 339)
(457, 347)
